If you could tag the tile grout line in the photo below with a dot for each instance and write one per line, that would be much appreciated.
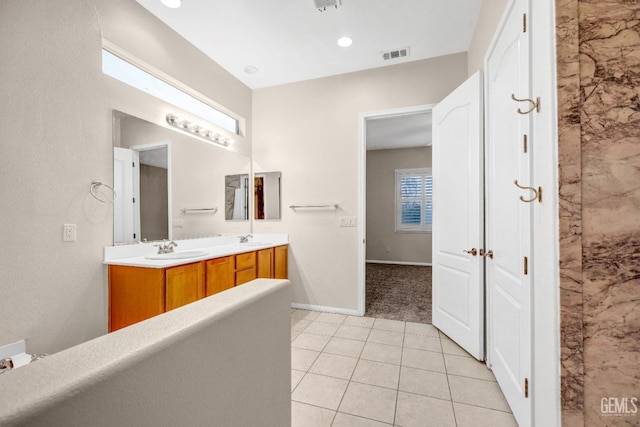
(453, 408)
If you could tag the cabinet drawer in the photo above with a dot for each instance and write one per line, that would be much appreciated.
(247, 260)
(244, 276)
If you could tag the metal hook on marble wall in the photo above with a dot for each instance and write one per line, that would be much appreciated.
(535, 105)
(537, 192)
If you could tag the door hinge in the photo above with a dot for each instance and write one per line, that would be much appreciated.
(526, 266)
(134, 200)
(526, 388)
(133, 164)
(134, 235)
(525, 143)
(524, 23)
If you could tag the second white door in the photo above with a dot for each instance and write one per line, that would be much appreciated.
(458, 238)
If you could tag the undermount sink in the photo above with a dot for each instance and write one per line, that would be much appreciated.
(177, 255)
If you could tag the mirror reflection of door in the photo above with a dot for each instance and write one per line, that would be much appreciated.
(141, 180)
(236, 197)
(266, 196)
(259, 197)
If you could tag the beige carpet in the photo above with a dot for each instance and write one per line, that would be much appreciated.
(398, 292)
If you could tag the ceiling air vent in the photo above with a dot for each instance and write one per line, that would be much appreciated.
(395, 54)
(322, 5)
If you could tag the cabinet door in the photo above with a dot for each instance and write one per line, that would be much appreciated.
(281, 263)
(265, 263)
(135, 294)
(220, 275)
(184, 284)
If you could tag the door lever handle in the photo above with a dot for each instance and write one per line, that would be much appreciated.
(473, 251)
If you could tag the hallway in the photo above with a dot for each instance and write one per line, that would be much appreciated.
(350, 371)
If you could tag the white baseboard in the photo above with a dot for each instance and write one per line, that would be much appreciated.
(325, 309)
(423, 264)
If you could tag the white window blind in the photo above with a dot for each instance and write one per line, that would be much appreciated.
(414, 200)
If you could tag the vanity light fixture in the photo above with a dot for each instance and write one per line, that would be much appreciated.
(345, 41)
(197, 130)
(173, 4)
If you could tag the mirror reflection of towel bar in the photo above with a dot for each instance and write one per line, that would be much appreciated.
(314, 206)
(199, 210)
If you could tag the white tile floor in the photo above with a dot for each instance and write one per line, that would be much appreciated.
(364, 372)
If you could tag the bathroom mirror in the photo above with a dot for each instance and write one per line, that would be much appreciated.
(266, 196)
(178, 185)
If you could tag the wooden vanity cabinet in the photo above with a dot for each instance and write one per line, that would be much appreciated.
(184, 285)
(265, 263)
(138, 293)
(135, 294)
(220, 275)
(272, 263)
(281, 262)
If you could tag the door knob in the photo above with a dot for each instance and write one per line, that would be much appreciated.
(489, 254)
(473, 251)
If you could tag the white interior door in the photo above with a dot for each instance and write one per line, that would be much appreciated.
(124, 215)
(458, 238)
(508, 219)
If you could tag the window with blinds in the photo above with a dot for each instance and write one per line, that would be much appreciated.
(414, 200)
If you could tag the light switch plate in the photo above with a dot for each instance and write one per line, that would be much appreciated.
(348, 221)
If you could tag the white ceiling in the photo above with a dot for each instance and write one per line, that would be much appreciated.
(290, 40)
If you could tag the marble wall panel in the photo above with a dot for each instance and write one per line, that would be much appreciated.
(600, 358)
(570, 174)
(610, 122)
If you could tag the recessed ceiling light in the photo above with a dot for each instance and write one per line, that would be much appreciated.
(173, 4)
(250, 69)
(345, 41)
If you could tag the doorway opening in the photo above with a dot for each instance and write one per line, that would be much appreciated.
(395, 207)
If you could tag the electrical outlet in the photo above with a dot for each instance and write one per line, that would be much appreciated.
(69, 233)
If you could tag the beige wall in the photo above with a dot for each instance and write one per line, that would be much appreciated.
(488, 20)
(56, 138)
(310, 132)
(383, 243)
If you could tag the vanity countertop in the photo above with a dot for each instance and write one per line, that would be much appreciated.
(138, 255)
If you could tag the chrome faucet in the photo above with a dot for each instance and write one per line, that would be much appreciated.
(166, 248)
(245, 239)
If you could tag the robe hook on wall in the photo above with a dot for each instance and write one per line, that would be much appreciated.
(535, 105)
(537, 196)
